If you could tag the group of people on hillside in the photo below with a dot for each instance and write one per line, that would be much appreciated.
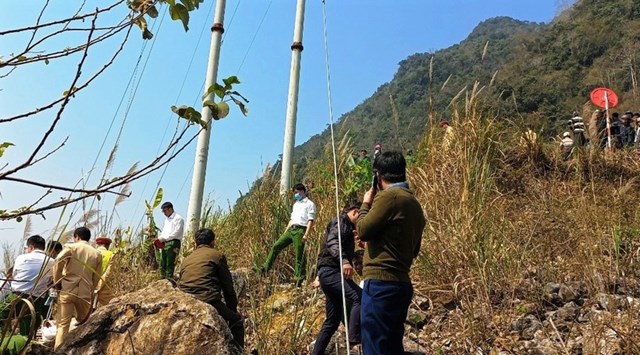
(74, 276)
(623, 132)
(388, 224)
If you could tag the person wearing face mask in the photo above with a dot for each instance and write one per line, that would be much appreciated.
(297, 232)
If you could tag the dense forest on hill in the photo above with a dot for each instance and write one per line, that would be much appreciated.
(530, 71)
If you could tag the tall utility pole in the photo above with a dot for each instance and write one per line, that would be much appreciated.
(202, 148)
(292, 102)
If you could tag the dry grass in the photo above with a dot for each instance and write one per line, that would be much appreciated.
(504, 219)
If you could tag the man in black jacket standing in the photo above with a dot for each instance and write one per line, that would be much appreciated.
(329, 269)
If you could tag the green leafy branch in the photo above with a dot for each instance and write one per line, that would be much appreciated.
(177, 10)
(153, 228)
(219, 110)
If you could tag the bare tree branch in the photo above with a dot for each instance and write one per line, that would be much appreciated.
(51, 152)
(78, 89)
(113, 184)
(67, 97)
(55, 187)
(35, 30)
(58, 22)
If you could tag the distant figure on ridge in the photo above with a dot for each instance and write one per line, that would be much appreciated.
(448, 135)
(205, 275)
(391, 222)
(363, 158)
(170, 239)
(576, 123)
(377, 149)
(76, 274)
(298, 230)
(329, 270)
(566, 146)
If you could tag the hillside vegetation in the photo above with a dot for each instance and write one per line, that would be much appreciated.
(524, 252)
(539, 73)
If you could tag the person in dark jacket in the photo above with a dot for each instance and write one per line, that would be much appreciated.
(205, 275)
(329, 270)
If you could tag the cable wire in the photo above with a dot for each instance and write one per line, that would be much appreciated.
(335, 164)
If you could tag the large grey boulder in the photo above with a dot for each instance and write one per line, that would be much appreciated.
(159, 319)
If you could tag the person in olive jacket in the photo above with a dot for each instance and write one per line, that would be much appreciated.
(205, 275)
(391, 222)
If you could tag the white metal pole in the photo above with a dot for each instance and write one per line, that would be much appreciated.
(202, 148)
(292, 102)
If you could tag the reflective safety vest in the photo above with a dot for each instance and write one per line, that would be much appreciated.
(106, 257)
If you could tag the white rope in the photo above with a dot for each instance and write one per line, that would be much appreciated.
(335, 169)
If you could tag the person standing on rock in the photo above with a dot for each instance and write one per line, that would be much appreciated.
(297, 232)
(104, 293)
(205, 275)
(391, 222)
(329, 269)
(170, 239)
(76, 274)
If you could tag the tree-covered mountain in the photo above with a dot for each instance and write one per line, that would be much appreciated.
(528, 70)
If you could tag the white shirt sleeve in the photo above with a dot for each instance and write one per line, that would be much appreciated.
(311, 211)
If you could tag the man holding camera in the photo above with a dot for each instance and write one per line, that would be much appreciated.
(391, 221)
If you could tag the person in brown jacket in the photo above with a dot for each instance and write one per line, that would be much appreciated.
(205, 275)
(391, 222)
(76, 273)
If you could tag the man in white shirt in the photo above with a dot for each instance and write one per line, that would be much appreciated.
(171, 237)
(297, 232)
(32, 271)
(32, 278)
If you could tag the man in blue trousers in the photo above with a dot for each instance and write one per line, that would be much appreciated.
(391, 222)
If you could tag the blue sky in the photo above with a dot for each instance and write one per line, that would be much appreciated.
(366, 40)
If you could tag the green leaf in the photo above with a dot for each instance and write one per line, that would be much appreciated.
(46, 61)
(213, 107)
(188, 4)
(152, 12)
(67, 93)
(4, 146)
(217, 89)
(98, 197)
(22, 58)
(158, 199)
(179, 12)
(190, 114)
(223, 109)
(228, 82)
(19, 219)
(146, 203)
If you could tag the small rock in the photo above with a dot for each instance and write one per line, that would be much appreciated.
(567, 294)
